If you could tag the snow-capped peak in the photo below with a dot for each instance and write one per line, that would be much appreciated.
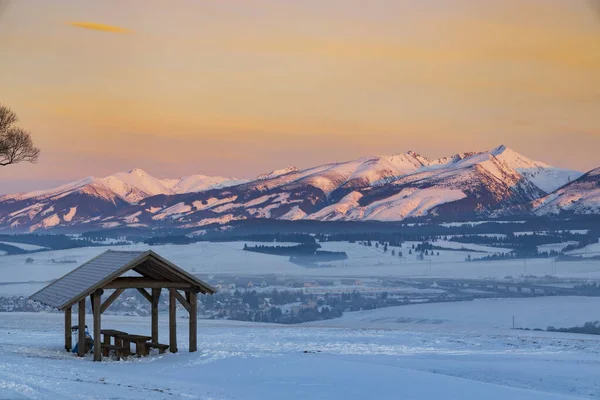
(515, 159)
(423, 160)
(138, 172)
(131, 186)
(197, 183)
(277, 172)
(499, 150)
(594, 172)
(544, 176)
(123, 183)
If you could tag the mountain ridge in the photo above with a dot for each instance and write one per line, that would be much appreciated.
(133, 185)
(379, 188)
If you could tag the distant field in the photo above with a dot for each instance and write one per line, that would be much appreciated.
(24, 246)
(207, 259)
(539, 312)
(587, 251)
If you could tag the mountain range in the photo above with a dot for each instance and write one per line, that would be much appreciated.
(486, 184)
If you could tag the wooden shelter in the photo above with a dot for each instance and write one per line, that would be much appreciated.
(106, 272)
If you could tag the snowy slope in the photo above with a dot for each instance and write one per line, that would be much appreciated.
(544, 176)
(197, 183)
(581, 196)
(531, 313)
(254, 362)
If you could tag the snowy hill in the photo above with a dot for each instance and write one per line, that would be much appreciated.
(581, 196)
(91, 199)
(382, 188)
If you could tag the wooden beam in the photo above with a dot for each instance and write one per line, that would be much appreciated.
(68, 337)
(155, 301)
(110, 300)
(128, 282)
(81, 342)
(96, 301)
(145, 294)
(181, 299)
(172, 321)
(193, 321)
(203, 287)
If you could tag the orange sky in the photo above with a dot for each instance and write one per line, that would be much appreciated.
(242, 87)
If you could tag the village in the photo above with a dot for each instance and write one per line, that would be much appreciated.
(291, 300)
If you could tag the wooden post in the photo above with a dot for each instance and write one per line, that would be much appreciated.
(81, 342)
(97, 304)
(106, 341)
(155, 300)
(172, 321)
(193, 299)
(68, 337)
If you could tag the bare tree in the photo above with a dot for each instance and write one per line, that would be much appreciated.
(16, 144)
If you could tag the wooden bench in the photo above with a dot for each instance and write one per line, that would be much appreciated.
(120, 351)
(107, 335)
(140, 343)
(161, 347)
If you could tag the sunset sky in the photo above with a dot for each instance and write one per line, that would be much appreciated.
(236, 88)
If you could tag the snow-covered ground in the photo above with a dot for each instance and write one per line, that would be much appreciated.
(206, 259)
(558, 247)
(573, 231)
(530, 313)
(20, 289)
(475, 223)
(254, 361)
(492, 235)
(445, 350)
(588, 251)
(470, 246)
(24, 246)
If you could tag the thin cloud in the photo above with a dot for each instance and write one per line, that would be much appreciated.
(596, 5)
(99, 27)
(3, 6)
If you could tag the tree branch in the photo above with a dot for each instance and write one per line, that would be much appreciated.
(16, 144)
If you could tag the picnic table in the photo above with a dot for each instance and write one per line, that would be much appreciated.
(116, 346)
(141, 349)
(107, 334)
